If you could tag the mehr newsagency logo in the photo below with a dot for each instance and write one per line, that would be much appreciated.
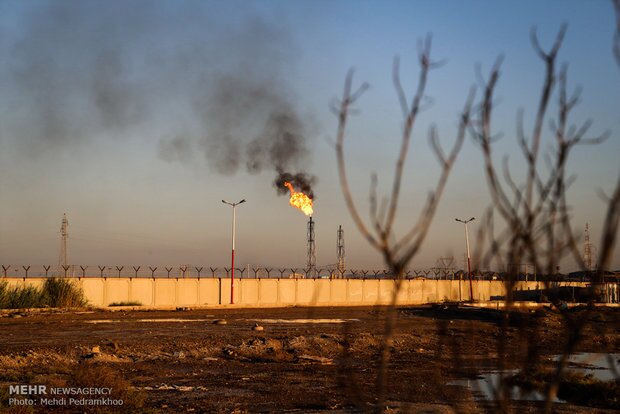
(43, 395)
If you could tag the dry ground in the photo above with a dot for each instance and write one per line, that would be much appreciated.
(305, 359)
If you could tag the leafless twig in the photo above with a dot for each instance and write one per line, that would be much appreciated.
(397, 253)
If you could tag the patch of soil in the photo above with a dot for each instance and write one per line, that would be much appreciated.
(195, 365)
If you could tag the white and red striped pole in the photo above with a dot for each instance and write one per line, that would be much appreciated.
(232, 265)
(471, 289)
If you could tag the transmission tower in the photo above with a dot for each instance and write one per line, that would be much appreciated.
(340, 249)
(64, 235)
(311, 259)
(587, 250)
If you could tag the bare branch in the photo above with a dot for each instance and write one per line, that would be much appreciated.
(484, 138)
(521, 139)
(349, 98)
(511, 183)
(372, 198)
(608, 240)
(400, 92)
(549, 59)
(436, 145)
(425, 64)
(420, 229)
(556, 45)
(616, 47)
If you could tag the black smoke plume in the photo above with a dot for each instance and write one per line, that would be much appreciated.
(174, 73)
(300, 181)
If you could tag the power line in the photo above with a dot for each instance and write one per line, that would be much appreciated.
(311, 254)
(587, 250)
(340, 249)
(64, 235)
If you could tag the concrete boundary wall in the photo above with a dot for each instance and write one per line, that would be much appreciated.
(284, 292)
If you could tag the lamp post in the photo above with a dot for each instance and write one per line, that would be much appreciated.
(471, 289)
(232, 265)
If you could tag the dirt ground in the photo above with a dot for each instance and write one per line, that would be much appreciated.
(303, 360)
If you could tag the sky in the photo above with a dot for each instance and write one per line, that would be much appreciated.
(137, 118)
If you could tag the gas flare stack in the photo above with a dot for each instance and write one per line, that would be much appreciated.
(587, 250)
(340, 250)
(64, 235)
(311, 256)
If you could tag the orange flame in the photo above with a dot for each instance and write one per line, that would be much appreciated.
(300, 200)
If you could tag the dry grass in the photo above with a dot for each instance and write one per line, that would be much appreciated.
(97, 375)
(126, 303)
(55, 293)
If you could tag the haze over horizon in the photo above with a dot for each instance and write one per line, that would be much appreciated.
(137, 118)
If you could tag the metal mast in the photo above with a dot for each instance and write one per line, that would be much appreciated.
(471, 289)
(311, 258)
(340, 249)
(64, 235)
(232, 257)
(587, 250)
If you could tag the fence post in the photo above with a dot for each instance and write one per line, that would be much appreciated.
(135, 269)
(168, 270)
(47, 269)
(119, 270)
(83, 270)
(198, 270)
(66, 268)
(152, 269)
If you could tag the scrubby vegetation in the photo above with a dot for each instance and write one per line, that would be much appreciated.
(126, 303)
(95, 375)
(62, 293)
(55, 293)
(573, 387)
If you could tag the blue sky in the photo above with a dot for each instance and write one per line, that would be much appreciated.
(94, 94)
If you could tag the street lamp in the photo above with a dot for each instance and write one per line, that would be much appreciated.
(471, 289)
(232, 266)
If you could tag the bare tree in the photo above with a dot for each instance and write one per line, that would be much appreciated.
(379, 232)
(536, 213)
(616, 44)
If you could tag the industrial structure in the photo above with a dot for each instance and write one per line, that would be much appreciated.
(587, 250)
(64, 235)
(340, 250)
(311, 254)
